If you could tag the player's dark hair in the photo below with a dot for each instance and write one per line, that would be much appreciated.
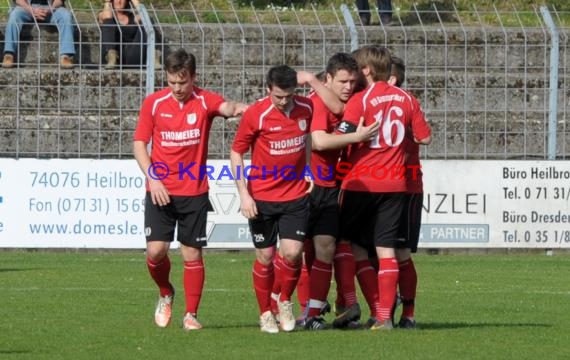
(180, 61)
(398, 70)
(282, 76)
(341, 61)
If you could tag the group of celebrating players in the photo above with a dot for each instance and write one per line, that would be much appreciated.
(364, 226)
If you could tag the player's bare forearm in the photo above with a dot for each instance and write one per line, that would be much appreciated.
(236, 161)
(158, 192)
(330, 99)
(322, 140)
(232, 108)
(141, 156)
(247, 204)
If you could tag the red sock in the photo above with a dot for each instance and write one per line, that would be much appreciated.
(193, 284)
(408, 282)
(160, 273)
(263, 276)
(344, 271)
(368, 281)
(276, 286)
(320, 281)
(303, 288)
(309, 253)
(387, 284)
(289, 277)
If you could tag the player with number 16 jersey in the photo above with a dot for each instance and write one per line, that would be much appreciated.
(379, 166)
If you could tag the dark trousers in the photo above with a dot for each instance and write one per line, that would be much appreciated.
(384, 9)
(129, 41)
(363, 11)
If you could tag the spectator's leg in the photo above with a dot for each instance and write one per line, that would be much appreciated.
(18, 16)
(65, 24)
(363, 11)
(385, 10)
(134, 52)
(158, 51)
(110, 34)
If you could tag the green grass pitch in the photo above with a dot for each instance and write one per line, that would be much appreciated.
(100, 306)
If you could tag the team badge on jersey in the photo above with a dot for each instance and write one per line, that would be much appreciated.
(191, 119)
(303, 124)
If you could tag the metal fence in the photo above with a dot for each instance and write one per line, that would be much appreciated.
(483, 76)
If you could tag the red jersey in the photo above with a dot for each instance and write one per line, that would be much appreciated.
(323, 163)
(379, 165)
(414, 173)
(179, 134)
(278, 149)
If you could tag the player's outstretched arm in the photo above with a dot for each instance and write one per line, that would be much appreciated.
(321, 140)
(232, 108)
(332, 102)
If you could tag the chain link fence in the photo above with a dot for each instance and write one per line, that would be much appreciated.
(483, 76)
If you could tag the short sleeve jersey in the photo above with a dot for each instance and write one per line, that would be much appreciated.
(278, 149)
(323, 163)
(179, 134)
(379, 165)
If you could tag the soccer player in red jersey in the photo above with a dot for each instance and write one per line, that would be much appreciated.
(177, 120)
(274, 199)
(374, 190)
(341, 77)
(410, 223)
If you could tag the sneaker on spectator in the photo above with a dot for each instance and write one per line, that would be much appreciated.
(66, 62)
(8, 61)
(112, 58)
(190, 322)
(382, 325)
(267, 323)
(315, 323)
(286, 317)
(351, 313)
(407, 323)
(163, 311)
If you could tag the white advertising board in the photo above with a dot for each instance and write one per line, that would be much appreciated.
(100, 204)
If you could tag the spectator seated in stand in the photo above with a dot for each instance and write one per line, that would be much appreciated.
(123, 36)
(39, 11)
